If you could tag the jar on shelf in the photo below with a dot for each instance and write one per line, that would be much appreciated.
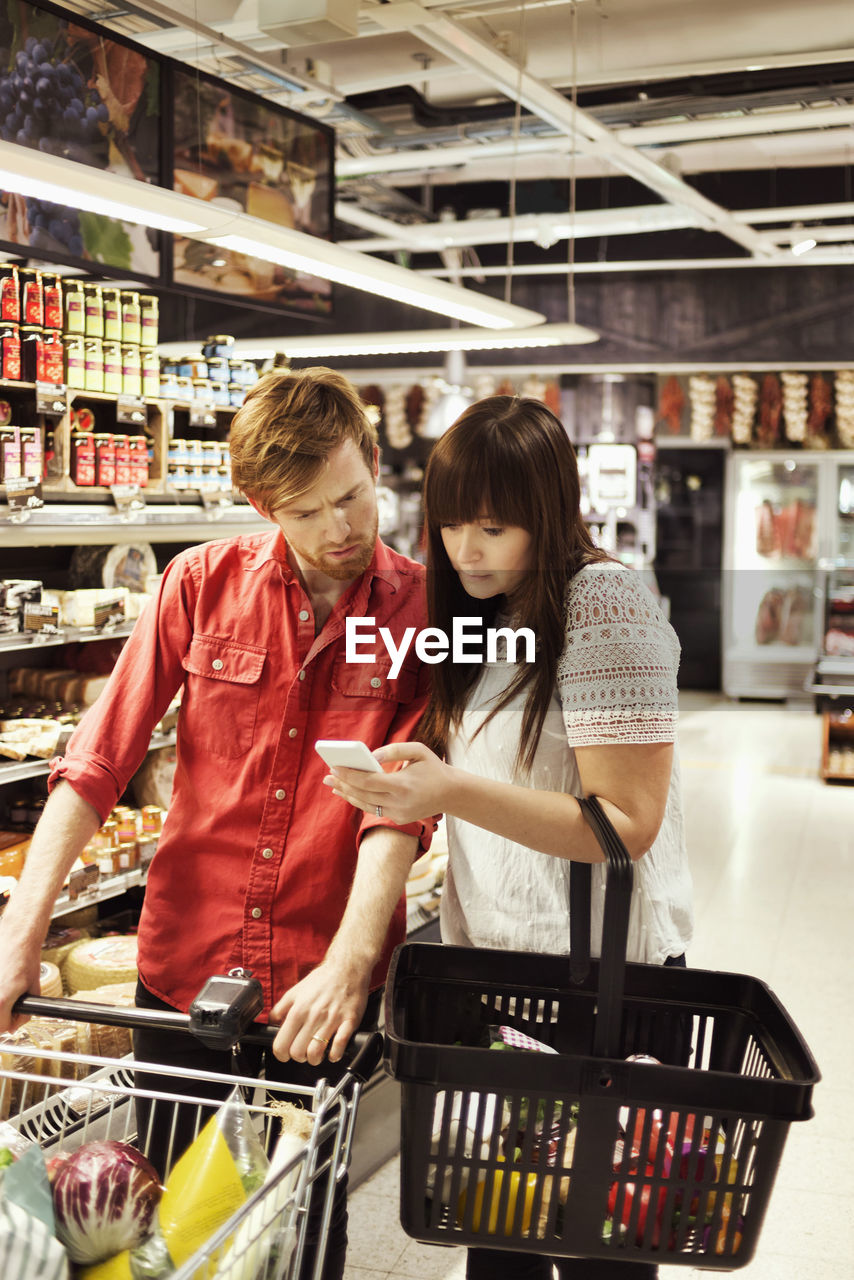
(219, 394)
(131, 325)
(54, 356)
(112, 313)
(218, 369)
(52, 293)
(10, 453)
(235, 394)
(152, 819)
(32, 297)
(177, 454)
(123, 467)
(183, 388)
(75, 308)
(177, 477)
(224, 474)
(105, 459)
(131, 370)
(93, 305)
(149, 373)
(126, 856)
(31, 452)
(221, 344)
(201, 390)
(139, 460)
(83, 458)
(93, 357)
(10, 350)
(32, 353)
(149, 311)
(10, 298)
(113, 374)
(211, 453)
(75, 361)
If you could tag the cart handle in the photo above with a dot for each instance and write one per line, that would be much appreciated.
(367, 1047)
(615, 929)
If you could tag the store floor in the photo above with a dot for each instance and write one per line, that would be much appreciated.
(772, 852)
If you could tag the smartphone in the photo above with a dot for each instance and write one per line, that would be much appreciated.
(347, 752)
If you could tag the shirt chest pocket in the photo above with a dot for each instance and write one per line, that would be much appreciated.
(219, 705)
(373, 679)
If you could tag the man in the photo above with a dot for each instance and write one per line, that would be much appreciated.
(259, 866)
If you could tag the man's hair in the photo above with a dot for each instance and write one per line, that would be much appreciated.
(287, 427)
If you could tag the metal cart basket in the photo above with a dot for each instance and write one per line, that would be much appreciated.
(651, 1128)
(62, 1100)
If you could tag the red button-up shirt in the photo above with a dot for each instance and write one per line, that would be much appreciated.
(256, 858)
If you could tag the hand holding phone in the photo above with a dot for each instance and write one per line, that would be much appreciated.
(349, 753)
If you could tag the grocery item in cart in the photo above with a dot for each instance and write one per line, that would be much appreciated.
(28, 1245)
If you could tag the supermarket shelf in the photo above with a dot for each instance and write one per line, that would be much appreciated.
(68, 524)
(112, 887)
(29, 640)
(17, 770)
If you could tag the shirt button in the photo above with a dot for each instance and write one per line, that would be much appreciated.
(303, 615)
(280, 795)
(376, 682)
(292, 733)
(300, 675)
(217, 664)
(256, 913)
(266, 853)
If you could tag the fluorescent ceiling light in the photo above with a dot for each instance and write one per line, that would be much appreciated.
(60, 181)
(803, 246)
(56, 193)
(416, 342)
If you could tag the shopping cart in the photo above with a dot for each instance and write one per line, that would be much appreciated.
(61, 1100)
(649, 1130)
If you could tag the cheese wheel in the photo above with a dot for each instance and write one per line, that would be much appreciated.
(99, 961)
(50, 979)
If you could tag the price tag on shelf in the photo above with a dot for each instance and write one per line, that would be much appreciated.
(50, 398)
(83, 880)
(129, 501)
(131, 411)
(24, 496)
(216, 501)
(41, 617)
(202, 415)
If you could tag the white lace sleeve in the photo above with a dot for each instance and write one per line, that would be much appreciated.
(617, 674)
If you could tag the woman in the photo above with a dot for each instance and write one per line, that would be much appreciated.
(508, 745)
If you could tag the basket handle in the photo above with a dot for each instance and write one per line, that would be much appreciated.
(615, 929)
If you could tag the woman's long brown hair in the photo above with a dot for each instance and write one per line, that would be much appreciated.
(510, 460)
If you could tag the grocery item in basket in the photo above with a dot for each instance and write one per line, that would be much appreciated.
(247, 1254)
(211, 1180)
(50, 979)
(99, 961)
(28, 1245)
(20, 1051)
(104, 1196)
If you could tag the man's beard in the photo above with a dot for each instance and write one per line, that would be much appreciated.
(352, 566)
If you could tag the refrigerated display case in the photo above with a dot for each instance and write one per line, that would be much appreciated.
(780, 521)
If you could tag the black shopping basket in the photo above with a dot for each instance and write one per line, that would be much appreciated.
(587, 1149)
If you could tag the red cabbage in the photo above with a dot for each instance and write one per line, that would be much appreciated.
(104, 1197)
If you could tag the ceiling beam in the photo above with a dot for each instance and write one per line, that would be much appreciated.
(455, 42)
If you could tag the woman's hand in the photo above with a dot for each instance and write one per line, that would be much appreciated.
(415, 790)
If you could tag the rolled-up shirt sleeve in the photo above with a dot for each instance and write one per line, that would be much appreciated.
(111, 740)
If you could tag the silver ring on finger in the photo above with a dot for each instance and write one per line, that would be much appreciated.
(379, 811)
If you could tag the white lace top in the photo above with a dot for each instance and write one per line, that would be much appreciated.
(616, 683)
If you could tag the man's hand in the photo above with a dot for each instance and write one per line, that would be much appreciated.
(319, 1015)
(19, 976)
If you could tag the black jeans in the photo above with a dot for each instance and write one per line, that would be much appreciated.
(495, 1264)
(165, 1140)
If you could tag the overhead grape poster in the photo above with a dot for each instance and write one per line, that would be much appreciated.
(247, 155)
(68, 90)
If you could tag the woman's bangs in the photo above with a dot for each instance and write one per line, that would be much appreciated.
(476, 483)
